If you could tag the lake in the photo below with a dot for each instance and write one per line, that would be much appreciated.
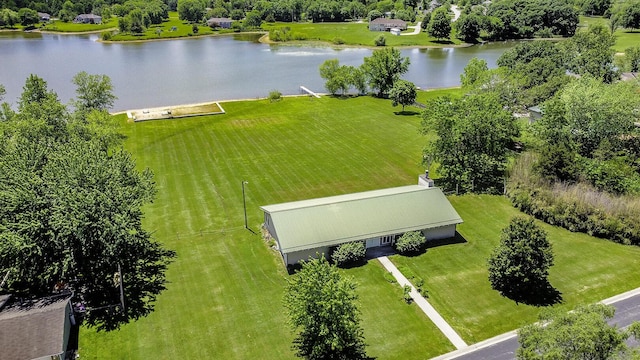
(172, 72)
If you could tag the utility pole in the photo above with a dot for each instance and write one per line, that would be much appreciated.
(244, 204)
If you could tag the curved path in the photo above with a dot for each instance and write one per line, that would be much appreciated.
(416, 29)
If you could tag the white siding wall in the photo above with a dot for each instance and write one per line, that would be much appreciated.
(442, 232)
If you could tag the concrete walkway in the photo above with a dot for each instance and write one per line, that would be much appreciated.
(424, 305)
(416, 29)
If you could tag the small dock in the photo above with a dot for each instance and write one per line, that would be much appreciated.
(304, 89)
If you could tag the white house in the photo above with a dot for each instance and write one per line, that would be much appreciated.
(384, 24)
(305, 228)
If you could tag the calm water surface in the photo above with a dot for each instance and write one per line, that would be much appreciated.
(203, 69)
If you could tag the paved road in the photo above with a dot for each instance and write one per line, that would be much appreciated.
(503, 347)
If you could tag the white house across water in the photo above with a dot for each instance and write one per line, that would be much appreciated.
(305, 228)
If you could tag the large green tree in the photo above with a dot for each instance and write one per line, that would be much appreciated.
(577, 335)
(71, 212)
(403, 93)
(191, 10)
(591, 53)
(383, 68)
(627, 14)
(95, 92)
(473, 137)
(519, 266)
(322, 309)
(440, 24)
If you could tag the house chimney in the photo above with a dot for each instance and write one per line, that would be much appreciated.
(425, 180)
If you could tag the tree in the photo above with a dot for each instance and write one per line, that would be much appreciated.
(191, 10)
(322, 308)
(9, 17)
(95, 92)
(632, 59)
(580, 334)
(473, 137)
(595, 7)
(519, 266)
(403, 92)
(627, 14)
(475, 74)
(440, 24)
(383, 68)
(71, 212)
(253, 19)
(349, 253)
(468, 27)
(590, 52)
(28, 16)
(330, 71)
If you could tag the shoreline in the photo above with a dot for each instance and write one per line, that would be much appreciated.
(120, 112)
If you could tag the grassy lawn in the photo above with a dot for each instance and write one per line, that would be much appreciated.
(625, 38)
(586, 270)
(61, 26)
(352, 33)
(224, 296)
(166, 30)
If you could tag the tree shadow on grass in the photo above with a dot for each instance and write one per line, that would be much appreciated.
(457, 239)
(406, 113)
(443, 42)
(543, 294)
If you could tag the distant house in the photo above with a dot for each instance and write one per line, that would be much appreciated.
(88, 19)
(44, 17)
(384, 24)
(305, 228)
(35, 329)
(224, 23)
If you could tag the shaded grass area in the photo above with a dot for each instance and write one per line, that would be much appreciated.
(353, 33)
(586, 270)
(224, 296)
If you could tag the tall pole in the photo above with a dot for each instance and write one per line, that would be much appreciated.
(244, 204)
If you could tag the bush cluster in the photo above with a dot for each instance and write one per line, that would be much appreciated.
(349, 253)
(576, 208)
(411, 243)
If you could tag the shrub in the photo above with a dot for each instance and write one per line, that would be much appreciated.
(106, 35)
(411, 243)
(195, 28)
(275, 95)
(380, 41)
(338, 40)
(389, 277)
(349, 253)
(407, 294)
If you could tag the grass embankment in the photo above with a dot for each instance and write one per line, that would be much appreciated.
(354, 33)
(224, 296)
(625, 38)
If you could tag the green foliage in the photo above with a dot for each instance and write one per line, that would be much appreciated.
(474, 135)
(627, 14)
(349, 253)
(631, 60)
(380, 41)
(594, 7)
(468, 27)
(406, 294)
(71, 211)
(403, 93)
(390, 278)
(411, 242)
(590, 53)
(511, 19)
(322, 307)
(95, 92)
(28, 16)
(191, 10)
(341, 78)
(580, 334)
(440, 24)
(383, 68)
(106, 35)
(252, 20)
(9, 17)
(519, 266)
(274, 95)
(475, 74)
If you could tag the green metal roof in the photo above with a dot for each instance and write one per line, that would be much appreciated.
(334, 220)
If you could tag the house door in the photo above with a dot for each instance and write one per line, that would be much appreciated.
(386, 240)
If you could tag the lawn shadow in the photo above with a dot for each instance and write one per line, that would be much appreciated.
(443, 42)
(406, 113)
(354, 264)
(457, 239)
(541, 295)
